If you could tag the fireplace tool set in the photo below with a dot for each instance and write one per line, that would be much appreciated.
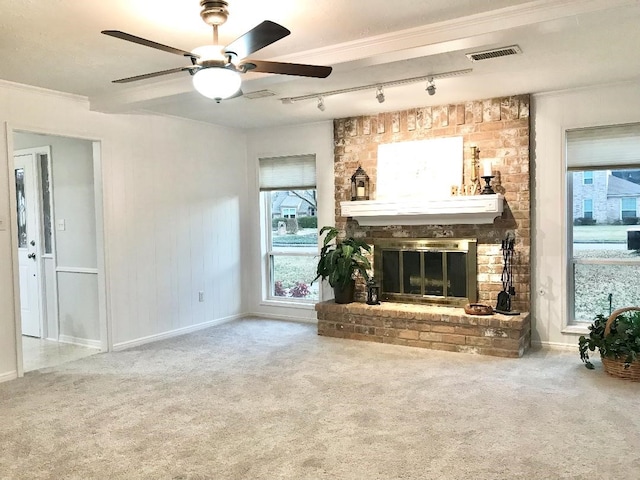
(504, 297)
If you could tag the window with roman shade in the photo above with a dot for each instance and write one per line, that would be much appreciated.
(603, 187)
(290, 228)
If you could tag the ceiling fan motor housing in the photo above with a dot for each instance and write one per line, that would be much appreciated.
(214, 12)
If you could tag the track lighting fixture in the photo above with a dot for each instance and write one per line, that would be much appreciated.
(431, 88)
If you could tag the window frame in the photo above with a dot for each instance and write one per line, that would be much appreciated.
(584, 208)
(622, 209)
(288, 210)
(589, 148)
(573, 324)
(269, 254)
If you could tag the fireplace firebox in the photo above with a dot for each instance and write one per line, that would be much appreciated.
(430, 271)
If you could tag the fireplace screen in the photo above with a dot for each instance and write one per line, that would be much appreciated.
(441, 271)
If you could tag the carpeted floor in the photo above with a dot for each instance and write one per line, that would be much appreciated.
(263, 399)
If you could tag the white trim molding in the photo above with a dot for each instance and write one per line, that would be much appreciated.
(93, 271)
(472, 209)
(175, 333)
(6, 376)
(83, 342)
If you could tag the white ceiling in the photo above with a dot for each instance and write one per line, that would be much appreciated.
(565, 44)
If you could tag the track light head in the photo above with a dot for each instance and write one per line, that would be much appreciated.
(321, 106)
(380, 95)
(431, 87)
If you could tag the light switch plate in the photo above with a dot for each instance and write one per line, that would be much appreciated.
(60, 224)
(3, 223)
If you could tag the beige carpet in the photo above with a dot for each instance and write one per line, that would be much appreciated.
(262, 399)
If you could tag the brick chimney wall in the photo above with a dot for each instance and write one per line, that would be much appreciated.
(499, 127)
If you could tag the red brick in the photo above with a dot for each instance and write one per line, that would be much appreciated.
(409, 334)
(455, 339)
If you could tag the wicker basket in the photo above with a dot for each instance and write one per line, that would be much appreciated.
(615, 366)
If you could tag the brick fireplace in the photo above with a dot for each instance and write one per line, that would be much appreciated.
(499, 128)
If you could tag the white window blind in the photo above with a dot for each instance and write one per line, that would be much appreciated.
(604, 147)
(288, 173)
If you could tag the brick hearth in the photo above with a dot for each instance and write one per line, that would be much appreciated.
(425, 326)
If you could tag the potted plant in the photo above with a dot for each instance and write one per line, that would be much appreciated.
(617, 339)
(341, 262)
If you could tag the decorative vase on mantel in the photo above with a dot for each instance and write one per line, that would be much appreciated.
(345, 294)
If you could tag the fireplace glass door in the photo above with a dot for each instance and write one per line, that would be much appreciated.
(427, 271)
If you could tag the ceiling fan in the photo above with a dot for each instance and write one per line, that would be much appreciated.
(216, 69)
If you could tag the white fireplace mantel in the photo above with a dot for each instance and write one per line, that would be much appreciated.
(472, 209)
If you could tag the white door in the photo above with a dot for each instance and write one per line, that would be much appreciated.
(28, 243)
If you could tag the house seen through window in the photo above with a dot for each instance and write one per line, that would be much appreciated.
(603, 177)
(290, 232)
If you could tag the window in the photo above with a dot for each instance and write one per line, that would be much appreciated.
(290, 234)
(288, 212)
(628, 207)
(603, 183)
(47, 210)
(587, 208)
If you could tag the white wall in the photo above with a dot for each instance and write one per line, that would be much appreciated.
(553, 114)
(174, 208)
(315, 139)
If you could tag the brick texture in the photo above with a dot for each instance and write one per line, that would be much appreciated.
(499, 127)
(424, 326)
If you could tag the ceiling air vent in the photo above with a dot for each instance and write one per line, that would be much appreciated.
(258, 94)
(494, 53)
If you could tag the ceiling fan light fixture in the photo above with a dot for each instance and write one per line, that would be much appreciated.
(216, 82)
(207, 53)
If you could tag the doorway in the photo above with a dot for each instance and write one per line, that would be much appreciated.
(28, 227)
(59, 248)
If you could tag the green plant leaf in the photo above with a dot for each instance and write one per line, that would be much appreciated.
(622, 342)
(339, 262)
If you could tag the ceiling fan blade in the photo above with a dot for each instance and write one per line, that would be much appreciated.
(258, 37)
(153, 74)
(147, 43)
(288, 68)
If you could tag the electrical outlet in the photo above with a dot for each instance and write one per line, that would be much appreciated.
(201, 296)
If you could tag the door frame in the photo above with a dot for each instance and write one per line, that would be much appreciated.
(37, 179)
(106, 339)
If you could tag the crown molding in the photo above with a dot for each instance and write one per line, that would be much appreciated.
(43, 91)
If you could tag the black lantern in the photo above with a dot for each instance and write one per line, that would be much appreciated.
(360, 185)
(373, 293)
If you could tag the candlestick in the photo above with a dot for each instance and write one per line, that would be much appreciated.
(487, 188)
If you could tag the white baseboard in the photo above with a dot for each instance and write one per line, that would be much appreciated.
(83, 342)
(174, 333)
(5, 377)
(286, 318)
(556, 345)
